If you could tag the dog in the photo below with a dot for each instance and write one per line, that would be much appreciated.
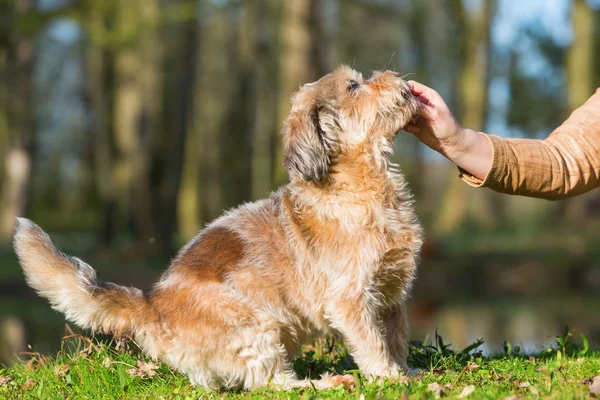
(335, 250)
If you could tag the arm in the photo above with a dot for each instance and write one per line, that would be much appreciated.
(565, 164)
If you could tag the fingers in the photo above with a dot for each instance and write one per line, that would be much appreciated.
(425, 94)
(416, 88)
(427, 111)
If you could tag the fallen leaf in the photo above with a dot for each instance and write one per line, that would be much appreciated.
(595, 387)
(28, 384)
(143, 369)
(471, 366)
(534, 391)
(403, 379)
(61, 370)
(4, 380)
(524, 385)
(467, 390)
(435, 388)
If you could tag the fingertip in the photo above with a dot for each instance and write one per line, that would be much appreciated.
(414, 87)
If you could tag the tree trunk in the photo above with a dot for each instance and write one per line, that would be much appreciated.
(137, 105)
(209, 113)
(189, 214)
(296, 65)
(100, 71)
(581, 82)
(181, 55)
(472, 112)
(238, 125)
(265, 135)
(20, 114)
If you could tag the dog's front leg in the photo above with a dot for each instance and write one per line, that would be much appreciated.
(396, 322)
(363, 334)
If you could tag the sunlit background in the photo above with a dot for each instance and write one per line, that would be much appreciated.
(125, 126)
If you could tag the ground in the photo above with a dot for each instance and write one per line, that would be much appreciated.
(113, 369)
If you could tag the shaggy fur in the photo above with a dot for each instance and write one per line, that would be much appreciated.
(333, 251)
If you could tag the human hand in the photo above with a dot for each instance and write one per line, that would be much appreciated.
(437, 128)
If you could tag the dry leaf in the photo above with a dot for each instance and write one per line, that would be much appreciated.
(143, 369)
(467, 390)
(471, 366)
(107, 362)
(524, 385)
(436, 389)
(403, 379)
(61, 370)
(4, 380)
(595, 387)
(534, 391)
(28, 384)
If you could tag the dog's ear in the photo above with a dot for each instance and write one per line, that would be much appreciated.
(310, 140)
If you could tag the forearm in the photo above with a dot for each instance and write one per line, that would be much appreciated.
(565, 164)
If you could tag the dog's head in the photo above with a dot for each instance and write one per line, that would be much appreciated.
(341, 113)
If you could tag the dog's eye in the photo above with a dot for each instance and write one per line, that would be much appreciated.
(353, 85)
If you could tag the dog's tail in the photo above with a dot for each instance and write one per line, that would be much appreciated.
(71, 287)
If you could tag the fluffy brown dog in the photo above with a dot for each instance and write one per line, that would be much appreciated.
(334, 250)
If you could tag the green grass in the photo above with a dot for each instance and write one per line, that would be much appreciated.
(110, 369)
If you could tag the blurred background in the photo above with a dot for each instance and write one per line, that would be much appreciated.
(125, 126)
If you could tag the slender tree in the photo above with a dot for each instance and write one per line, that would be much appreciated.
(189, 207)
(213, 84)
(295, 66)
(136, 113)
(19, 121)
(180, 62)
(473, 88)
(262, 28)
(581, 82)
(100, 70)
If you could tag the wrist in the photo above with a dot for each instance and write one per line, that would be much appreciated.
(458, 148)
(474, 153)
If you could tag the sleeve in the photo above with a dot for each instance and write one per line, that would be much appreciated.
(565, 164)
